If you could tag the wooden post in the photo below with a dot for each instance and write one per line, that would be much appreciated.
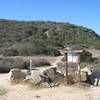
(79, 68)
(66, 68)
(30, 67)
(30, 64)
(73, 59)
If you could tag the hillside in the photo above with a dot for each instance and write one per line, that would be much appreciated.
(25, 38)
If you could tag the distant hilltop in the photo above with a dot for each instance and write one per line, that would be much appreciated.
(43, 37)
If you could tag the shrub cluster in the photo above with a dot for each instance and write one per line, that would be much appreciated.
(86, 56)
(40, 62)
(31, 51)
(10, 52)
(9, 63)
(6, 64)
(43, 37)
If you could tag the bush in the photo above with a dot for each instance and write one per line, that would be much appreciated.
(37, 85)
(6, 64)
(39, 50)
(3, 92)
(31, 51)
(9, 63)
(10, 52)
(26, 51)
(52, 51)
(40, 62)
(86, 56)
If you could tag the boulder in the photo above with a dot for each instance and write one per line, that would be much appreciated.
(84, 76)
(18, 74)
(86, 69)
(52, 73)
(61, 67)
(46, 79)
(35, 76)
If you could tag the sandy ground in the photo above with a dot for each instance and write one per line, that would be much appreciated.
(24, 92)
(95, 53)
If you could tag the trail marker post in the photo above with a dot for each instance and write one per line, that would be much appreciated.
(30, 67)
(72, 57)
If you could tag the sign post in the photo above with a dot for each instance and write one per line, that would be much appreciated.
(73, 57)
(79, 67)
(66, 67)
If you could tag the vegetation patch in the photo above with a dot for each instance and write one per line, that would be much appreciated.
(10, 63)
(10, 52)
(37, 85)
(3, 92)
(43, 38)
(40, 62)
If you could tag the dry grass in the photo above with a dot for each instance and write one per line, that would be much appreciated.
(3, 92)
(40, 62)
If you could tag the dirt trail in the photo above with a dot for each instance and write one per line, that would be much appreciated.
(58, 59)
(95, 53)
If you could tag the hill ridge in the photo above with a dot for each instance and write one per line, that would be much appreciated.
(45, 34)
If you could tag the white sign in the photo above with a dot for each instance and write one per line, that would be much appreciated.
(72, 57)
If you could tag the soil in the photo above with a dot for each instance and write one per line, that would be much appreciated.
(24, 92)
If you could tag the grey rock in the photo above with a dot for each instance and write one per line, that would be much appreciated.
(51, 73)
(18, 74)
(35, 76)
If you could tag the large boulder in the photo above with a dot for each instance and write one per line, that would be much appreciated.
(84, 76)
(86, 69)
(61, 67)
(52, 73)
(18, 74)
(35, 76)
(41, 76)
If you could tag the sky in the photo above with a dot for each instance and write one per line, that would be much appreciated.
(80, 12)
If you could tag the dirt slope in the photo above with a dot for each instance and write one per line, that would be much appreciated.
(95, 53)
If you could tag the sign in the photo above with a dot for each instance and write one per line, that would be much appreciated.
(72, 57)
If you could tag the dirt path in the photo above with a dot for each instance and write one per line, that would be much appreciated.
(57, 60)
(95, 53)
(24, 92)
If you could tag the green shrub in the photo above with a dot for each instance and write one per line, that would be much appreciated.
(40, 35)
(52, 51)
(40, 62)
(86, 56)
(39, 50)
(37, 85)
(3, 92)
(9, 63)
(10, 52)
(26, 51)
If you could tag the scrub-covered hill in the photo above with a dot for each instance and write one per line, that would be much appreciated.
(27, 38)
